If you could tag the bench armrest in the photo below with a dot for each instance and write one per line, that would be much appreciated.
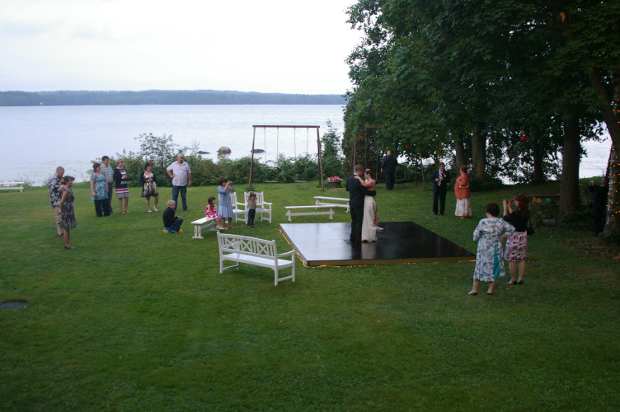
(289, 253)
(267, 204)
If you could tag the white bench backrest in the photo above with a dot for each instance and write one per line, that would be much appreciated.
(246, 245)
(11, 184)
(260, 198)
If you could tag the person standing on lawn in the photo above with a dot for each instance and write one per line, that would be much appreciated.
(489, 259)
(516, 213)
(251, 207)
(108, 172)
(441, 178)
(99, 191)
(225, 205)
(67, 210)
(121, 183)
(148, 182)
(462, 193)
(388, 166)
(53, 187)
(181, 175)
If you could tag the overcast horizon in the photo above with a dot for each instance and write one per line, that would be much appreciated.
(274, 46)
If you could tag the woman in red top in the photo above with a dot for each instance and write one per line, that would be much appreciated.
(462, 193)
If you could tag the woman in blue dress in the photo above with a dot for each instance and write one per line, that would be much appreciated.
(489, 259)
(225, 206)
(99, 190)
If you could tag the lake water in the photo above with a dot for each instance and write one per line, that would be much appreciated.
(34, 140)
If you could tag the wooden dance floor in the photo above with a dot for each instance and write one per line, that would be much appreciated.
(327, 244)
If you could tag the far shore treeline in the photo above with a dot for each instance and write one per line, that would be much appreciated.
(160, 97)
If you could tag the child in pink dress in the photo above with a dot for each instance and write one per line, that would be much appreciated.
(211, 211)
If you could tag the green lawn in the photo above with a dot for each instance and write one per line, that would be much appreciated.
(133, 319)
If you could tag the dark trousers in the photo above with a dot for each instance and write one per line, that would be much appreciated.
(175, 195)
(176, 225)
(357, 217)
(101, 208)
(107, 210)
(251, 217)
(439, 200)
(390, 178)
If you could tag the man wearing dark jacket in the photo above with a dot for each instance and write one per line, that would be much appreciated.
(441, 178)
(357, 192)
(388, 165)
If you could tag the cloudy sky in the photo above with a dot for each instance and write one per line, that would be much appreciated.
(269, 45)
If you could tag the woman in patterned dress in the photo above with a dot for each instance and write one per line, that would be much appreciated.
(121, 185)
(489, 263)
(516, 213)
(225, 206)
(67, 210)
(149, 188)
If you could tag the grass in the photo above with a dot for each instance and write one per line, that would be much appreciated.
(133, 319)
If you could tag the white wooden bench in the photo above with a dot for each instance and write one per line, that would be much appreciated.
(256, 252)
(18, 186)
(202, 224)
(310, 210)
(327, 200)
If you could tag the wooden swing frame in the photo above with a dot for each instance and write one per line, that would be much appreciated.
(286, 126)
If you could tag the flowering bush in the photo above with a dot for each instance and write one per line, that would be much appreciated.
(334, 179)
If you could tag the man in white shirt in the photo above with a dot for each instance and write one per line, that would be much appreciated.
(181, 176)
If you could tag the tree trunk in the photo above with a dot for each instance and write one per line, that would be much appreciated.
(606, 103)
(460, 152)
(612, 121)
(612, 222)
(569, 184)
(539, 171)
(478, 149)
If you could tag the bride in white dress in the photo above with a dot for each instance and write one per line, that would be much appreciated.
(369, 224)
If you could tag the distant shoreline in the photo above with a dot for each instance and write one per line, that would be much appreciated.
(162, 98)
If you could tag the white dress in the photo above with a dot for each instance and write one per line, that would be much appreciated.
(369, 230)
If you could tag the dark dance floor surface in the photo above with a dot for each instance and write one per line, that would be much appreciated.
(327, 244)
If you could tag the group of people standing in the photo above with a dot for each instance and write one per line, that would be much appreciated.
(462, 192)
(500, 239)
(61, 200)
(106, 179)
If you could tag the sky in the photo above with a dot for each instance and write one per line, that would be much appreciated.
(289, 46)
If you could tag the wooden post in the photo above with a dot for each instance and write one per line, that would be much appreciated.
(252, 161)
(318, 149)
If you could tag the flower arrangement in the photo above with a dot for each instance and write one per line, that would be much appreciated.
(334, 179)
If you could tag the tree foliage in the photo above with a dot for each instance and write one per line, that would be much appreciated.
(509, 87)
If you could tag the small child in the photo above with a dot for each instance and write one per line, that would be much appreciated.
(211, 212)
(489, 262)
(251, 206)
(172, 223)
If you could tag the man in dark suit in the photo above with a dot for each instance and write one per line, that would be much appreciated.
(441, 178)
(357, 192)
(388, 165)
